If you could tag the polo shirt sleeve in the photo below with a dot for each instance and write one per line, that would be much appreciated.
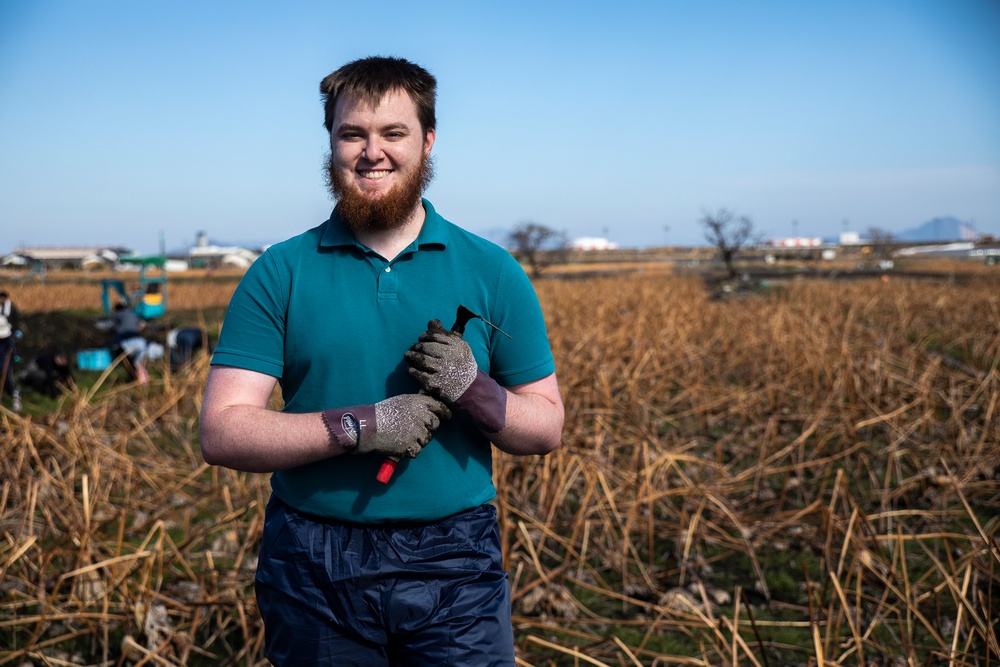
(526, 356)
(253, 331)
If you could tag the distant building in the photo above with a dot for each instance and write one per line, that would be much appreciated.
(591, 243)
(66, 257)
(796, 242)
(205, 255)
(850, 238)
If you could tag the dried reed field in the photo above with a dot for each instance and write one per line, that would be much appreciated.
(803, 475)
(67, 290)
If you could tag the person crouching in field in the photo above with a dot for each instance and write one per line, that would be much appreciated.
(183, 343)
(47, 373)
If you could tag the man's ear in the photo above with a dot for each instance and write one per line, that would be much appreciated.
(428, 141)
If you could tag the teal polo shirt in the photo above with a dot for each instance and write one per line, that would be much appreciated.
(331, 319)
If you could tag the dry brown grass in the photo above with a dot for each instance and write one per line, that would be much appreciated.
(807, 476)
(70, 290)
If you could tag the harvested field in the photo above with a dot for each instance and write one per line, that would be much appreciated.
(806, 474)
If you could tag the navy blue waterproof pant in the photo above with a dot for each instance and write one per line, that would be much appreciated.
(411, 595)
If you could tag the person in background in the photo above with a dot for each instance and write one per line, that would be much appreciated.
(46, 372)
(346, 318)
(183, 343)
(128, 339)
(126, 324)
(10, 331)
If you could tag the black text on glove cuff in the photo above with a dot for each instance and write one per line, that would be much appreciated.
(347, 426)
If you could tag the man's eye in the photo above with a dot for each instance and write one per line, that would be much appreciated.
(350, 136)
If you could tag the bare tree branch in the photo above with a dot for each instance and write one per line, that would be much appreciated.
(728, 233)
(537, 245)
(882, 243)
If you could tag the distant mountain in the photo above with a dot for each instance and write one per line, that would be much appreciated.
(939, 229)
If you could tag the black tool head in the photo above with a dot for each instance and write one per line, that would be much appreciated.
(462, 318)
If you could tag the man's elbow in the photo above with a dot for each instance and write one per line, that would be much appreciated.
(208, 452)
(212, 450)
(548, 446)
(210, 457)
(552, 436)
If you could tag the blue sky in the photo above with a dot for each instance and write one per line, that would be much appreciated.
(124, 121)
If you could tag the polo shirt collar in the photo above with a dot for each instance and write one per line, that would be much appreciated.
(433, 232)
(336, 233)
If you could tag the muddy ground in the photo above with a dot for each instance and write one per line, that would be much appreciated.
(67, 332)
(51, 332)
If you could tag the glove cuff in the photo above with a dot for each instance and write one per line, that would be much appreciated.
(485, 403)
(348, 426)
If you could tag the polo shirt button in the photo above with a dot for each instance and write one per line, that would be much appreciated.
(388, 269)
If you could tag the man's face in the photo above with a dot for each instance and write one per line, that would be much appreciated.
(379, 161)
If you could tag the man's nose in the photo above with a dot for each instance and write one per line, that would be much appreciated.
(373, 149)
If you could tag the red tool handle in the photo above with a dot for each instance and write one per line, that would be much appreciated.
(388, 466)
(386, 469)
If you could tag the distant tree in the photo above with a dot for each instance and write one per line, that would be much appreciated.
(882, 243)
(537, 245)
(728, 233)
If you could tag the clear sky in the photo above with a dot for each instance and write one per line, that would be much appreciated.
(122, 121)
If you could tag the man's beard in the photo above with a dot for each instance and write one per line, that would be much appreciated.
(389, 211)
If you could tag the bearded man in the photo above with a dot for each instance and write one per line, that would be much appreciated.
(404, 570)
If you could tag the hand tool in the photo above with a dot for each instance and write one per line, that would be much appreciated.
(462, 317)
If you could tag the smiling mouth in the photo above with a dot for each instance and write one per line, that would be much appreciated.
(374, 175)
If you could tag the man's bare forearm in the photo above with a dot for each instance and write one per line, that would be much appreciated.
(239, 431)
(534, 421)
(254, 439)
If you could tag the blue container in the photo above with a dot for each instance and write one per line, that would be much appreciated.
(93, 360)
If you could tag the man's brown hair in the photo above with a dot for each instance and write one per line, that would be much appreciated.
(371, 79)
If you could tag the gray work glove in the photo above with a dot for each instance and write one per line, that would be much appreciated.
(398, 426)
(442, 363)
(444, 366)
